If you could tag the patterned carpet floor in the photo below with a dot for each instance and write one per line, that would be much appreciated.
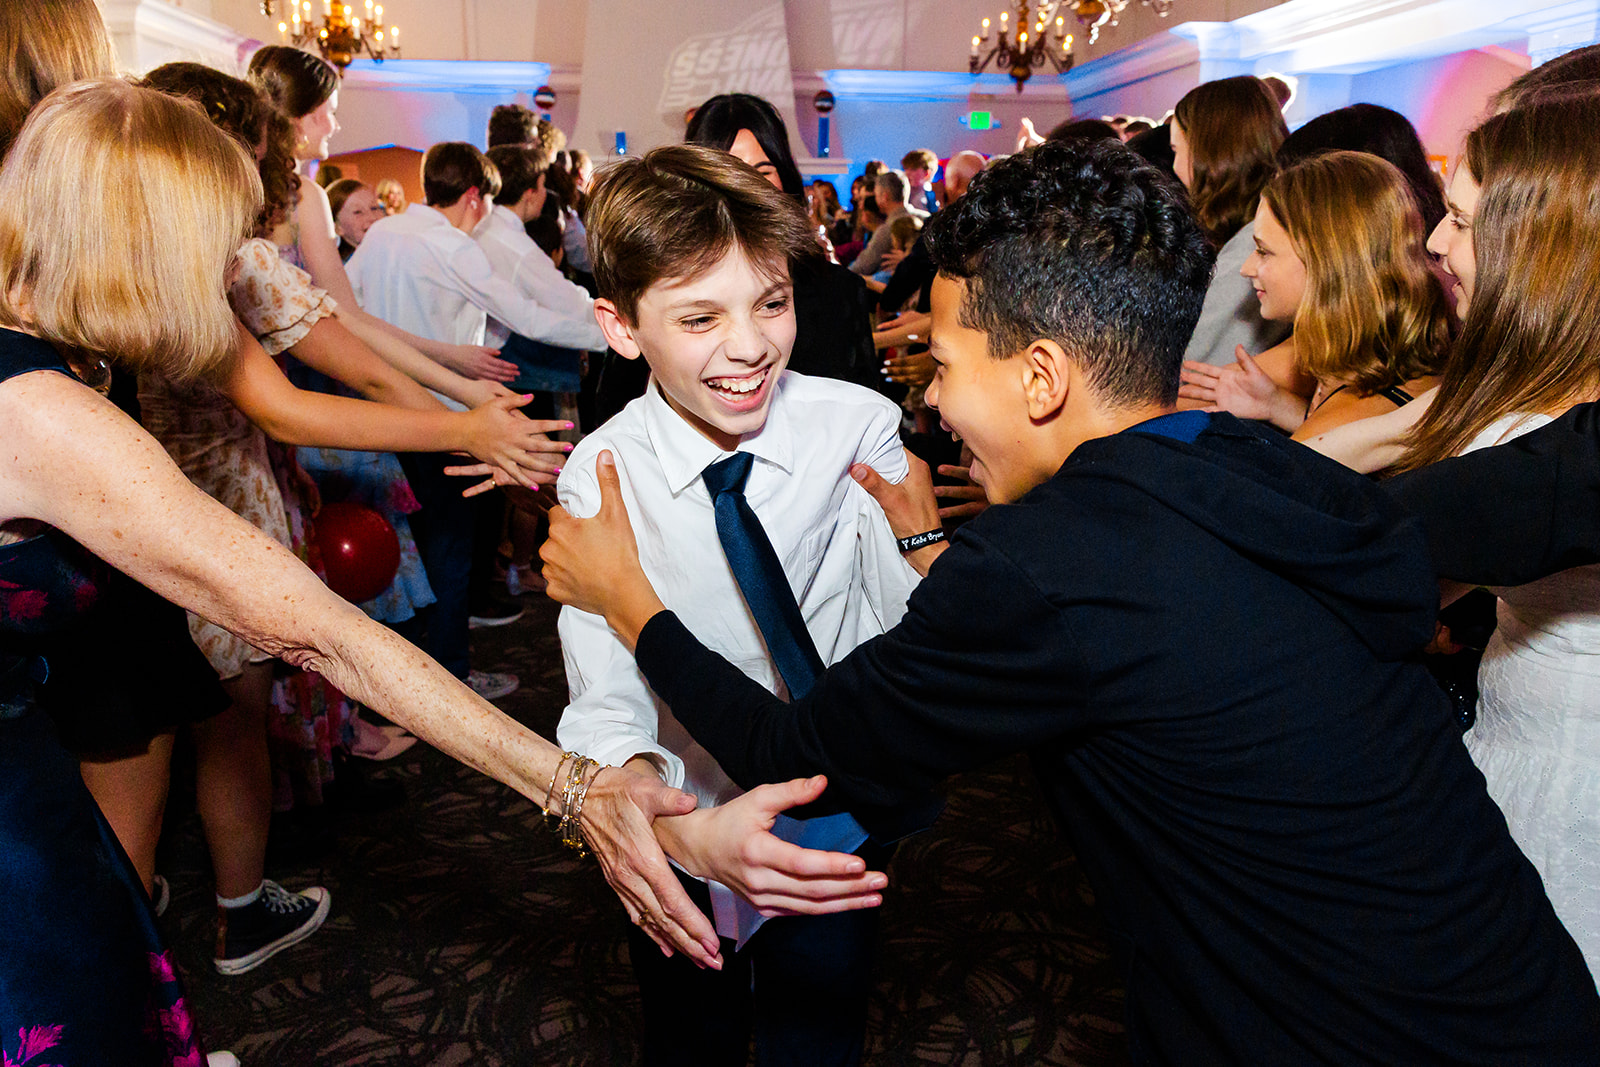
(462, 934)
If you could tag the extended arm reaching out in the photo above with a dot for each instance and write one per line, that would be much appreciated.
(77, 463)
(494, 433)
(319, 247)
(420, 368)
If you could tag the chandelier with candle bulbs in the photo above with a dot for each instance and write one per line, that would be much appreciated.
(341, 35)
(1038, 34)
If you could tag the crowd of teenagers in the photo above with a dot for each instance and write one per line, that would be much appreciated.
(1221, 417)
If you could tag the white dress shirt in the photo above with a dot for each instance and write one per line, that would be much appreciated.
(515, 256)
(429, 278)
(840, 556)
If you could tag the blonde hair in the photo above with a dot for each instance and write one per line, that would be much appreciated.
(44, 45)
(1530, 342)
(904, 230)
(120, 209)
(1373, 313)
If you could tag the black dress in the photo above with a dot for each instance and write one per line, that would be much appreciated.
(84, 979)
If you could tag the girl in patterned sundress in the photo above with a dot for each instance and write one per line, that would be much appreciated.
(213, 431)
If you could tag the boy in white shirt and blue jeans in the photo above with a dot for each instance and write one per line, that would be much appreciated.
(736, 476)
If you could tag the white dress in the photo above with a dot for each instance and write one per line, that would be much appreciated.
(1537, 738)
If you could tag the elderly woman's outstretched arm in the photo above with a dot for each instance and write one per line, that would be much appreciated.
(74, 461)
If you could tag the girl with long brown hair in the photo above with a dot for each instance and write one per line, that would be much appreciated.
(1225, 138)
(1520, 240)
(1338, 252)
(305, 87)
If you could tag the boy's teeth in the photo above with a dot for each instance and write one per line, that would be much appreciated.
(739, 385)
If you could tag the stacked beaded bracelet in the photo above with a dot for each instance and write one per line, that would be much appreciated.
(579, 779)
(573, 791)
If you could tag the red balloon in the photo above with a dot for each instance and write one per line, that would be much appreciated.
(360, 551)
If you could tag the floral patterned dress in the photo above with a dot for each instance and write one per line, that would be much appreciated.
(228, 456)
(84, 979)
(278, 303)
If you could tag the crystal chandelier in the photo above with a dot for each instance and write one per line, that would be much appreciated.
(1025, 44)
(1030, 46)
(341, 35)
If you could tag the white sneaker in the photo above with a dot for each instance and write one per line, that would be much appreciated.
(492, 685)
(222, 1059)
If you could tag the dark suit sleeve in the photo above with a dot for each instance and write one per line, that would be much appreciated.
(1515, 512)
(981, 665)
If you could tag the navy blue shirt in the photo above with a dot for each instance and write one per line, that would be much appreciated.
(1208, 647)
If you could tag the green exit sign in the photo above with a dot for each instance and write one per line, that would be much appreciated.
(980, 120)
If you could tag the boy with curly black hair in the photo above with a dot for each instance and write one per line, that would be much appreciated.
(1206, 637)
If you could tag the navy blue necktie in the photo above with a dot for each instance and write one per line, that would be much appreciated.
(766, 590)
(760, 576)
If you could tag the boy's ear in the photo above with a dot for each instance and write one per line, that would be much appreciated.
(619, 335)
(1048, 377)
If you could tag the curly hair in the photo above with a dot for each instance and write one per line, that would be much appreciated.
(1529, 342)
(1083, 243)
(1373, 313)
(246, 114)
(1234, 127)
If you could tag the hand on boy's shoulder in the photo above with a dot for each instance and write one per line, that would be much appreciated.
(578, 486)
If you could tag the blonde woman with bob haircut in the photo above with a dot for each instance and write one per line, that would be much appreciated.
(83, 969)
(1520, 239)
(1339, 254)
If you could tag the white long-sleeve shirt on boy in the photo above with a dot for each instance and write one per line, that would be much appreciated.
(515, 257)
(841, 558)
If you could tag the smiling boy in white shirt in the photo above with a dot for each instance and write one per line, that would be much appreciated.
(691, 252)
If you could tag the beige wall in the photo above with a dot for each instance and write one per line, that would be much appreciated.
(634, 65)
(404, 165)
(823, 34)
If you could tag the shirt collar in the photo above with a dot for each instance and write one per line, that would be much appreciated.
(503, 218)
(424, 213)
(684, 452)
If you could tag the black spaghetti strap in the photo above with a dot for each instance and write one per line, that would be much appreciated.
(1330, 396)
(1398, 396)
